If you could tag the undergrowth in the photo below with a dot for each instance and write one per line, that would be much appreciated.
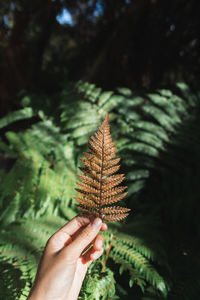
(157, 135)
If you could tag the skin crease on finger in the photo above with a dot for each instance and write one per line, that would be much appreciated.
(67, 256)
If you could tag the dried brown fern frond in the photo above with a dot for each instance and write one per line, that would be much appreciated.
(98, 187)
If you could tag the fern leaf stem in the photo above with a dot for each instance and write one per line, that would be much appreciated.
(107, 254)
(101, 175)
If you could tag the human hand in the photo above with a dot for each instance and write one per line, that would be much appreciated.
(63, 265)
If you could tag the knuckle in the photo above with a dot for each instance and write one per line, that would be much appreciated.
(82, 220)
(50, 241)
(87, 233)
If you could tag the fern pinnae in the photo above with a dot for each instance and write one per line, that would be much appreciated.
(98, 187)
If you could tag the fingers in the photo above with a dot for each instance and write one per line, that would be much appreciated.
(97, 249)
(94, 252)
(62, 237)
(78, 222)
(70, 231)
(91, 255)
(86, 236)
(104, 227)
(98, 243)
(57, 242)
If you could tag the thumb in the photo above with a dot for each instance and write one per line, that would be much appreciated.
(85, 237)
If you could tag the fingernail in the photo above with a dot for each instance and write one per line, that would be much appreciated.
(97, 223)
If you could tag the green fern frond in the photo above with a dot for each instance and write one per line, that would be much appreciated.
(11, 282)
(21, 245)
(43, 176)
(136, 257)
(141, 264)
(14, 116)
(135, 276)
(98, 285)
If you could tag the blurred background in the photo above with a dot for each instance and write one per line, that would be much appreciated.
(63, 66)
(110, 43)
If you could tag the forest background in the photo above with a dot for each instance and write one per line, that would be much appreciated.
(63, 66)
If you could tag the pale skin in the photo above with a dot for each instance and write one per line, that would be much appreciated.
(63, 266)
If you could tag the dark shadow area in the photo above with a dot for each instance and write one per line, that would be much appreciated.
(172, 195)
(143, 43)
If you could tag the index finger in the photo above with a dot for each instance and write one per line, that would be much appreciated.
(78, 222)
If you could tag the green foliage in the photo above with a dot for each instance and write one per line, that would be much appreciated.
(11, 281)
(82, 118)
(98, 284)
(21, 245)
(43, 174)
(24, 113)
(144, 126)
(135, 257)
(157, 137)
